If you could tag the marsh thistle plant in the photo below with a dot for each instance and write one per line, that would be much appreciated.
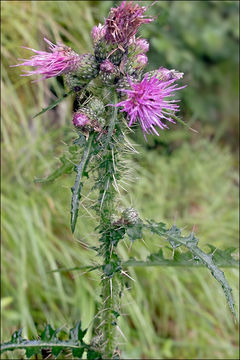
(113, 92)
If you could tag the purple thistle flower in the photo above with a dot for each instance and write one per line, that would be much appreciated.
(147, 102)
(123, 22)
(80, 119)
(98, 32)
(60, 60)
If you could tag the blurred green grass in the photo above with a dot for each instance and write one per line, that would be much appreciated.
(182, 177)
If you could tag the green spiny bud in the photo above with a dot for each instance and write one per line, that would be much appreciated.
(96, 105)
(88, 67)
(131, 216)
(73, 82)
(104, 50)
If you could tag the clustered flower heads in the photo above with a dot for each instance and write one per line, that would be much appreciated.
(118, 62)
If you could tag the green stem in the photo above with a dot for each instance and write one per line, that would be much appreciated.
(110, 284)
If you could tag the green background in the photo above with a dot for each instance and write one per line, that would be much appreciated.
(182, 176)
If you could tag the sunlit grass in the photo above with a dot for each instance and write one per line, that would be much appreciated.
(168, 313)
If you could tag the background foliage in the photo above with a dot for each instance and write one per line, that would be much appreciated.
(188, 177)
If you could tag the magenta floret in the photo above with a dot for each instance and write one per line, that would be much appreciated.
(123, 23)
(60, 60)
(147, 102)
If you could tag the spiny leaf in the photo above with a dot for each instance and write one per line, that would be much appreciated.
(135, 232)
(48, 333)
(32, 351)
(76, 189)
(173, 236)
(182, 259)
(53, 104)
(76, 333)
(49, 340)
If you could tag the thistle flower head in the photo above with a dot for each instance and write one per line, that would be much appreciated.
(123, 22)
(80, 119)
(147, 102)
(60, 60)
(98, 32)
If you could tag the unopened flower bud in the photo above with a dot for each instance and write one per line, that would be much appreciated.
(165, 74)
(104, 50)
(141, 45)
(107, 66)
(136, 63)
(108, 72)
(131, 216)
(88, 67)
(97, 106)
(141, 61)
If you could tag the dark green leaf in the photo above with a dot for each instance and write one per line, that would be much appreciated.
(174, 237)
(76, 333)
(48, 333)
(56, 350)
(93, 355)
(32, 351)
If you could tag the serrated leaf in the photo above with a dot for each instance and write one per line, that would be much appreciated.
(173, 236)
(56, 350)
(32, 351)
(17, 337)
(76, 333)
(48, 333)
(223, 258)
(180, 259)
(134, 232)
(53, 104)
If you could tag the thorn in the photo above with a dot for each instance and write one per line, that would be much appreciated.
(118, 328)
(213, 252)
(124, 273)
(111, 250)
(111, 287)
